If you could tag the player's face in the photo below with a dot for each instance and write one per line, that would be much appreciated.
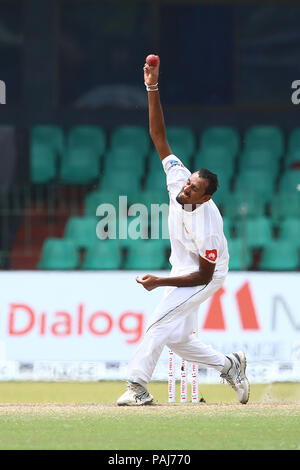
(193, 191)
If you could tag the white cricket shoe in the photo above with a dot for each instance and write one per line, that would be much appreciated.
(135, 395)
(236, 376)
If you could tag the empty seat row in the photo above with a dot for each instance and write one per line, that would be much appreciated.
(243, 204)
(238, 204)
(277, 255)
(105, 254)
(81, 150)
(150, 199)
(61, 254)
(258, 232)
(255, 232)
(86, 231)
(79, 154)
(183, 139)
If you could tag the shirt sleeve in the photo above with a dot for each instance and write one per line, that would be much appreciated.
(209, 248)
(176, 173)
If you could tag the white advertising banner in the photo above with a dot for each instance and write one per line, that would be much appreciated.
(88, 324)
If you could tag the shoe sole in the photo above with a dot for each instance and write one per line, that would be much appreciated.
(147, 403)
(243, 362)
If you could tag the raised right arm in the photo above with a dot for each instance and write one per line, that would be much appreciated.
(157, 126)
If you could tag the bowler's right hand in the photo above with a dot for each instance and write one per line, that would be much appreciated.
(151, 74)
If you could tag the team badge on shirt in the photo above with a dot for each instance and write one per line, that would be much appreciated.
(175, 162)
(211, 255)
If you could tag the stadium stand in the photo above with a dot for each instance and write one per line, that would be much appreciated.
(51, 136)
(258, 195)
(146, 254)
(58, 254)
(43, 163)
(81, 231)
(182, 141)
(240, 255)
(225, 137)
(257, 231)
(280, 256)
(104, 254)
(93, 137)
(265, 137)
(243, 204)
(131, 137)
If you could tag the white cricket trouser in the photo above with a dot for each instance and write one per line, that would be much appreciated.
(172, 325)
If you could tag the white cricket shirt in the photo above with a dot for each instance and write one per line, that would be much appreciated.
(194, 233)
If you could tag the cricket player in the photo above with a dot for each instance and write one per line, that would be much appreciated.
(199, 260)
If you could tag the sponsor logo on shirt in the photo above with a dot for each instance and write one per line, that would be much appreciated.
(175, 162)
(211, 255)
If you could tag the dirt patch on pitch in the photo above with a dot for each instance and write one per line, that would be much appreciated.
(165, 410)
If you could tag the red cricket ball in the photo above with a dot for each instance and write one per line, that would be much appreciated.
(152, 60)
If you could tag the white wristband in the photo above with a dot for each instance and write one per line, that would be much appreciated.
(151, 87)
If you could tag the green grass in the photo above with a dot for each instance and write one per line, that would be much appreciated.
(108, 392)
(84, 416)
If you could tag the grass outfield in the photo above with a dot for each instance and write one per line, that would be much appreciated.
(84, 416)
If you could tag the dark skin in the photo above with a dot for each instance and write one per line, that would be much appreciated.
(190, 196)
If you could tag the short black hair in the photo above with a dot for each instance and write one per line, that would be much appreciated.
(212, 180)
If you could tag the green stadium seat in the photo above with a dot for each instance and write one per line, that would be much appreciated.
(119, 160)
(266, 137)
(241, 204)
(126, 243)
(51, 136)
(116, 220)
(104, 254)
(285, 204)
(259, 182)
(182, 141)
(294, 140)
(146, 255)
(292, 159)
(290, 181)
(227, 227)
(95, 198)
(138, 227)
(79, 165)
(259, 159)
(257, 231)
(224, 180)
(92, 137)
(221, 136)
(124, 183)
(216, 159)
(154, 163)
(131, 137)
(220, 196)
(155, 181)
(154, 207)
(43, 163)
(280, 256)
(58, 254)
(239, 253)
(82, 231)
(290, 231)
(156, 196)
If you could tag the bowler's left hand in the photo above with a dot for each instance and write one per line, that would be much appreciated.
(148, 281)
